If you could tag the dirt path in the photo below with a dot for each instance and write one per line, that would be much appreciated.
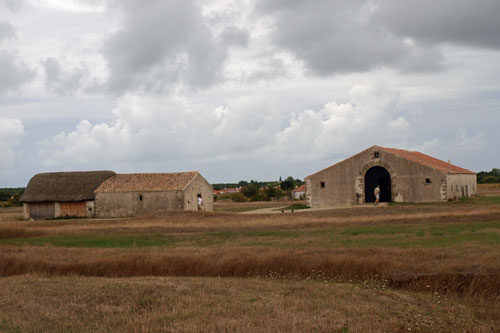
(280, 210)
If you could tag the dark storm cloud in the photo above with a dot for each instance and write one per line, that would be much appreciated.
(337, 36)
(345, 36)
(163, 42)
(463, 22)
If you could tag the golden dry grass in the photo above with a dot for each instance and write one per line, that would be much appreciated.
(487, 186)
(34, 303)
(295, 258)
(489, 190)
(471, 274)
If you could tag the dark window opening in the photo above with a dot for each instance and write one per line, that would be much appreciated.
(140, 197)
(427, 180)
(376, 154)
(322, 184)
(90, 209)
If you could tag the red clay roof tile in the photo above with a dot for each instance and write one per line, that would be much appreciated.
(147, 182)
(301, 188)
(428, 161)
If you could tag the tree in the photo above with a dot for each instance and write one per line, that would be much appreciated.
(489, 180)
(4, 196)
(273, 192)
(493, 176)
(287, 185)
(250, 190)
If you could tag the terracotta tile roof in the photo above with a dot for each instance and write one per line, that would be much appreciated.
(411, 156)
(427, 160)
(147, 182)
(301, 188)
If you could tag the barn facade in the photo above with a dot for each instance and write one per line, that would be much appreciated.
(403, 176)
(141, 193)
(60, 194)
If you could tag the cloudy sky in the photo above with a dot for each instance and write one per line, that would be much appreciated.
(244, 89)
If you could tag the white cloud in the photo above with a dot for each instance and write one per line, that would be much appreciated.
(368, 118)
(71, 5)
(432, 147)
(11, 130)
(248, 127)
(466, 142)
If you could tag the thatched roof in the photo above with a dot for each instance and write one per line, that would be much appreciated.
(64, 186)
(147, 182)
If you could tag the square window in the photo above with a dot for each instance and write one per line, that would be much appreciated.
(427, 180)
(376, 154)
(322, 184)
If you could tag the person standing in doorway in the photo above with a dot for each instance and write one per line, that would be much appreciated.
(376, 192)
(200, 203)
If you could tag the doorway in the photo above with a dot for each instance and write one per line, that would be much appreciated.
(378, 176)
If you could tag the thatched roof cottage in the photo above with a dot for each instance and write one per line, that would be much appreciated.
(58, 194)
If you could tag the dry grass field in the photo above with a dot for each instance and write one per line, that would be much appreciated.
(402, 267)
(489, 189)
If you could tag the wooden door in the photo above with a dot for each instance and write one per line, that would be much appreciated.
(77, 209)
(42, 210)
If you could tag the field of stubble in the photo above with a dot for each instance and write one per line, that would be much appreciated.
(420, 267)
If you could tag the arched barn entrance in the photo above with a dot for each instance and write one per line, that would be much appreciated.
(377, 176)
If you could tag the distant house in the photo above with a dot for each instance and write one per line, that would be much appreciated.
(140, 193)
(403, 176)
(58, 194)
(299, 192)
(228, 190)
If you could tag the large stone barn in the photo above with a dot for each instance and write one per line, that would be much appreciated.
(403, 176)
(141, 193)
(59, 194)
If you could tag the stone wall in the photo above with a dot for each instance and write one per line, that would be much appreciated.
(461, 185)
(121, 204)
(199, 185)
(344, 182)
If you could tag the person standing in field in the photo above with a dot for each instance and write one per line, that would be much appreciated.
(200, 203)
(376, 192)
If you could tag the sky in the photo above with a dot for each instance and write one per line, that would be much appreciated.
(244, 89)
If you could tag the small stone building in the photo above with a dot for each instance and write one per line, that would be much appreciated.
(403, 176)
(140, 193)
(59, 194)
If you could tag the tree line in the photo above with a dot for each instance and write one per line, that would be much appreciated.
(485, 177)
(289, 181)
(261, 191)
(11, 196)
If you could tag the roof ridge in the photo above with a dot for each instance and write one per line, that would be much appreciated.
(433, 162)
(148, 182)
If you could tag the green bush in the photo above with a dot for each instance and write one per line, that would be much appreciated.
(238, 197)
(250, 190)
(490, 180)
(259, 196)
